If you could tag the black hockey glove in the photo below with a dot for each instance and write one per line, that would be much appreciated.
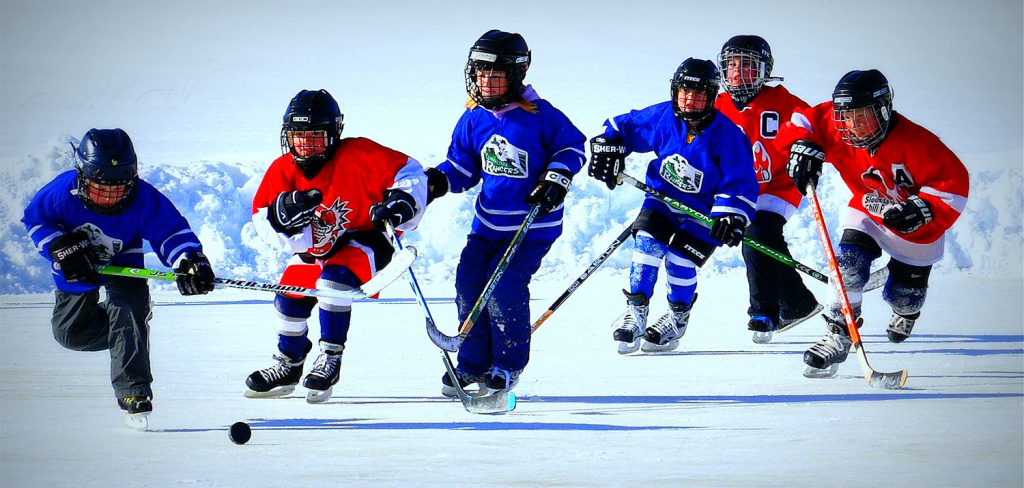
(195, 275)
(728, 229)
(551, 190)
(607, 159)
(908, 216)
(437, 184)
(805, 161)
(293, 210)
(75, 258)
(398, 207)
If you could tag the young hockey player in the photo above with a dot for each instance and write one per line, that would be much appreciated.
(524, 152)
(908, 189)
(325, 201)
(98, 214)
(704, 161)
(779, 300)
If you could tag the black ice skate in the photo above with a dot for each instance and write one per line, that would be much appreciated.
(664, 335)
(325, 373)
(465, 381)
(786, 324)
(762, 327)
(764, 330)
(138, 408)
(501, 380)
(634, 322)
(277, 380)
(900, 326)
(823, 358)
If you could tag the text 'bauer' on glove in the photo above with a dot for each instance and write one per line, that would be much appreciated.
(607, 159)
(398, 207)
(293, 210)
(908, 216)
(551, 191)
(195, 275)
(75, 258)
(805, 161)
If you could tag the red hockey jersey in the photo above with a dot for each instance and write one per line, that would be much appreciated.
(910, 161)
(761, 120)
(353, 180)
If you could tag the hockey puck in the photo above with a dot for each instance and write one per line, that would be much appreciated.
(240, 433)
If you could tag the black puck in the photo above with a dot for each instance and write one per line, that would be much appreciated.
(240, 433)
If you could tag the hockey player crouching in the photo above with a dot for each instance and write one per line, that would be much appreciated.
(97, 214)
(524, 152)
(325, 201)
(704, 161)
(908, 190)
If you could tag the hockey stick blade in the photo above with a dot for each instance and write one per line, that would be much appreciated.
(889, 381)
(498, 403)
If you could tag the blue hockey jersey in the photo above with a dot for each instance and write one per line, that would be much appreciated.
(712, 173)
(509, 150)
(116, 239)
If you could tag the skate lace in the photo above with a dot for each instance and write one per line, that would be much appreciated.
(901, 324)
(636, 319)
(325, 365)
(830, 346)
(279, 370)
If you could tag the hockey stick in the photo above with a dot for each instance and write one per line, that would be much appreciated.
(891, 381)
(450, 343)
(583, 277)
(399, 263)
(497, 403)
(876, 279)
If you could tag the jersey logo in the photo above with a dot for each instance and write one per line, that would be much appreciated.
(769, 124)
(501, 158)
(678, 172)
(762, 163)
(330, 223)
(103, 246)
(883, 193)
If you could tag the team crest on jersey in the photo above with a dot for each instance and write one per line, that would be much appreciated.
(499, 157)
(762, 163)
(883, 192)
(678, 172)
(330, 223)
(103, 246)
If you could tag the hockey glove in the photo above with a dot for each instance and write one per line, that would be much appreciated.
(607, 159)
(195, 275)
(437, 184)
(908, 216)
(728, 229)
(805, 161)
(398, 207)
(73, 255)
(551, 190)
(293, 210)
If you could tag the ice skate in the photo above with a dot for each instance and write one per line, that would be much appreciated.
(472, 384)
(823, 358)
(762, 327)
(634, 322)
(325, 373)
(664, 335)
(786, 324)
(501, 380)
(137, 409)
(900, 326)
(278, 380)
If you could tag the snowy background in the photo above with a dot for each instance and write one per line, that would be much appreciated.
(201, 88)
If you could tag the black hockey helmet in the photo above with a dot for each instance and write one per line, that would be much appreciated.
(107, 170)
(860, 96)
(499, 51)
(316, 112)
(700, 75)
(751, 54)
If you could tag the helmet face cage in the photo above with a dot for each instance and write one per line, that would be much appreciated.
(107, 171)
(743, 73)
(700, 76)
(482, 64)
(862, 109)
(312, 129)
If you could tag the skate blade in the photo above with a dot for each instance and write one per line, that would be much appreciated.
(451, 392)
(318, 396)
(828, 372)
(274, 393)
(795, 322)
(762, 337)
(137, 421)
(629, 347)
(666, 347)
